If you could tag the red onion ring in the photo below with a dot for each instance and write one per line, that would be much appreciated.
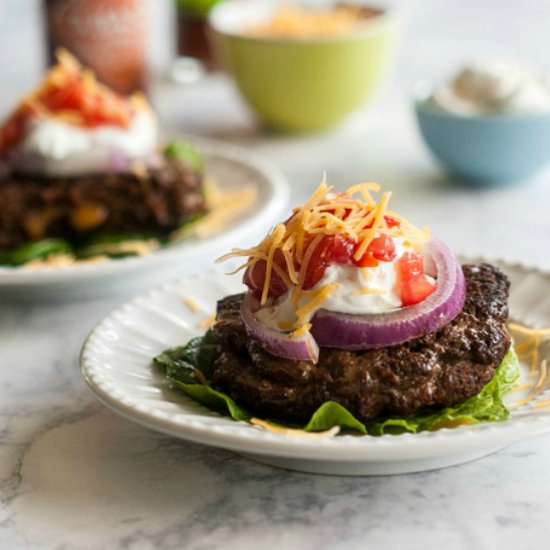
(118, 162)
(25, 162)
(281, 344)
(361, 332)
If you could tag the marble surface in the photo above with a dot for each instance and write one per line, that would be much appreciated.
(75, 475)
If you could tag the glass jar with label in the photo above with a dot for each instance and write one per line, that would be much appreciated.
(109, 36)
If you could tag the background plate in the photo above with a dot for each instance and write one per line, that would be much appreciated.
(229, 166)
(116, 364)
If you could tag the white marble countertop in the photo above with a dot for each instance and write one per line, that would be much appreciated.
(75, 475)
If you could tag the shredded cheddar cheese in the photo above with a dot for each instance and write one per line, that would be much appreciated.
(201, 378)
(521, 387)
(527, 346)
(224, 205)
(207, 322)
(303, 22)
(367, 290)
(268, 426)
(62, 260)
(302, 330)
(543, 374)
(291, 247)
(192, 304)
(319, 297)
(528, 342)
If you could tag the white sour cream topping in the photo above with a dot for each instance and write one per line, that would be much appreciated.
(61, 149)
(498, 85)
(348, 297)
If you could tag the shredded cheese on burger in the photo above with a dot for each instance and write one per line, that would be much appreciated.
(289, 249)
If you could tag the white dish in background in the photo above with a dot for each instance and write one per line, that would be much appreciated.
(229, 166)
(116, 364)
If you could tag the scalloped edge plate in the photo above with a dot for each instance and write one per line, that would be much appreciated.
(116, 365)
(229, 165)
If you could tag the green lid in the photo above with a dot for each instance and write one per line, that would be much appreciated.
(195, 8)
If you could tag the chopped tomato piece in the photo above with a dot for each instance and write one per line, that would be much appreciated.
(416, 290)
(410, 265)
(382, 248)
(254, 278)
(415, 286)
(391, 221)
(342, 250)
(366, 260)
(320, 260)
(72, 94)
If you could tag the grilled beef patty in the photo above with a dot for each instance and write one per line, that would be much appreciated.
(152, 199)
(439, 369)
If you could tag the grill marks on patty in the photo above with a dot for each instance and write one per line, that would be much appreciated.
(440, 369)
(153, 199)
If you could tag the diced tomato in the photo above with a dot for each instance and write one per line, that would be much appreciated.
(68, 97)
(382, 248)
(254, 278)
(342, 250)
(347, 212)
(73, 96)
(320, 260)
(414, 285)
(366, 260)
(330, 249)
(416, 290)
(391, 221)
(410, 266)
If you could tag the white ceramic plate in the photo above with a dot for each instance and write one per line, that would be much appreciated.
(116, 364)
(229, 166)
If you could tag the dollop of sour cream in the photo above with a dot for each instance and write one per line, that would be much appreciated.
(59, 149)
(350, 296)
(495, 85)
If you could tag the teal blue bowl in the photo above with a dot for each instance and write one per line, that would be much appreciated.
(486, 149)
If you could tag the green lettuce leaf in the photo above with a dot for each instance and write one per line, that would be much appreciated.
(34, 251)
(106, 244)
(181, 365)
(486, 406)
(332, 414)
(186, 153)
(215, 400)
(187, 366)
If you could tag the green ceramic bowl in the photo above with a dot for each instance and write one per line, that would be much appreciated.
(301, 85)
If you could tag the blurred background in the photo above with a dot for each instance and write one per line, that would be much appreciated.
(378, 142)
(438, 35)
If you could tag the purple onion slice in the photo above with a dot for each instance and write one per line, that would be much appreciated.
(281, 344)
(360, 332)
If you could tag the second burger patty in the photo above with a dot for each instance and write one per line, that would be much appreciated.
(440, 369)
(152, 199)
